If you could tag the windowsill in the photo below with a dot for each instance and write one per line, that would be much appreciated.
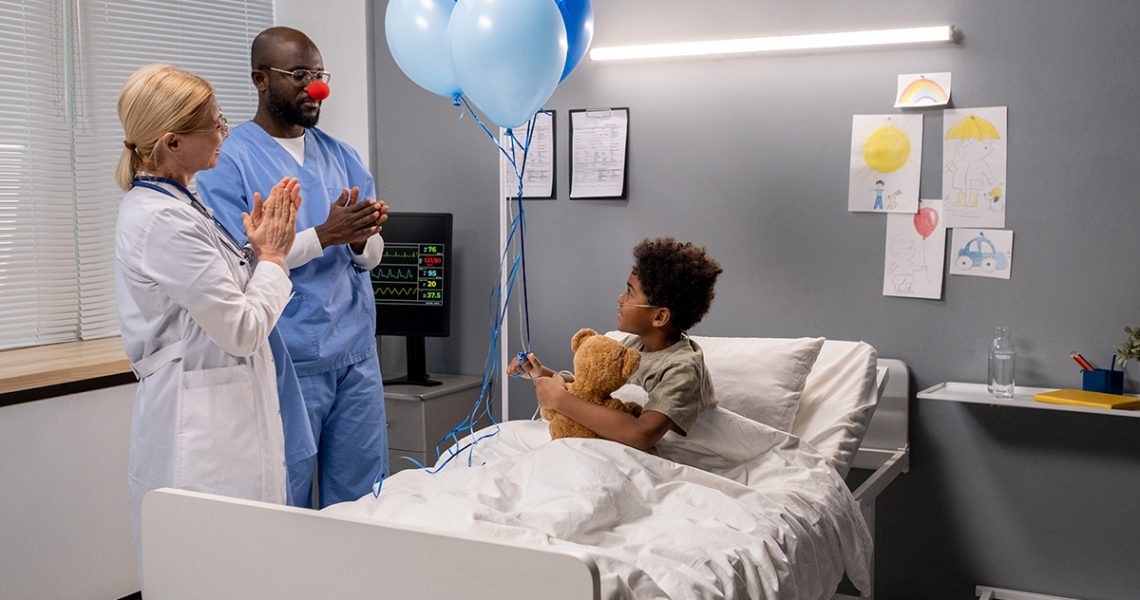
(24, 369)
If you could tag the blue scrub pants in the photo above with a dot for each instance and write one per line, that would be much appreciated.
(346, 409)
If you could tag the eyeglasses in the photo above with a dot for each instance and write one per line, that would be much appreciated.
(222, 127)
(302, 76)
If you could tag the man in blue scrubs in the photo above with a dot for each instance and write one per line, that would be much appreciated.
(330, 324)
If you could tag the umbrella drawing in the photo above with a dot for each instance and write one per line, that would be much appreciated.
(973, 127)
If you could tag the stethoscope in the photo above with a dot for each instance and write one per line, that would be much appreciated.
(244, 253)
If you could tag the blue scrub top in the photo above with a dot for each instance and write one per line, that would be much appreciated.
(331, 321)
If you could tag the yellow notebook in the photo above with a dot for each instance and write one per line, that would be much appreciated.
(1090, 399)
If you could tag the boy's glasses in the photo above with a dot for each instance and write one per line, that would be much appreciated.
(302, 76)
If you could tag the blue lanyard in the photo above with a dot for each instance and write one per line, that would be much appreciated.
(242, 252)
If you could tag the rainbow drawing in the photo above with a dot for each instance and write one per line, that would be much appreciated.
(922, 91)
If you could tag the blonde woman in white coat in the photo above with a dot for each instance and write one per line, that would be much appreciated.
(196, 309)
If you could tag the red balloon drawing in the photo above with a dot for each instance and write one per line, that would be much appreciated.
(925, 220)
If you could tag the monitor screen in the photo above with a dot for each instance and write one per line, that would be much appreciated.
(412, 283)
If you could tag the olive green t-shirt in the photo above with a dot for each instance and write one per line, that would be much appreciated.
(675, 379)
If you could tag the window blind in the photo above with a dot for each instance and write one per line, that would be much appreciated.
(208, 37)
(64, 61)
(38, 294)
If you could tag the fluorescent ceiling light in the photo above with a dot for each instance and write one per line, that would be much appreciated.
(779, 43)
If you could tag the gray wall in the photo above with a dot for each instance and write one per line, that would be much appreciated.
(749, 157)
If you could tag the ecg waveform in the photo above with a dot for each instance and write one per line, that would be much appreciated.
(391, 290)
(398, 257)
(386, 273)
(410, 274)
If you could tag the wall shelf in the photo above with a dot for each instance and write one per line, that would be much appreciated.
(976, 393)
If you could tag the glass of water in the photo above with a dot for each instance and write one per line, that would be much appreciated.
(1003, 358)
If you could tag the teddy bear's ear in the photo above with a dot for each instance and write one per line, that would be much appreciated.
(630, 362)
(578, 337)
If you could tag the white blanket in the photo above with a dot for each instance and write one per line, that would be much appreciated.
(758, 514)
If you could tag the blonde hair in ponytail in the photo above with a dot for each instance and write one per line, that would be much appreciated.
(154, 100)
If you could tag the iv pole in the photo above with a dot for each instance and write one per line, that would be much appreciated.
(504, 228)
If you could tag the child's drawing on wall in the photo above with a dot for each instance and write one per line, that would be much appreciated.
(981, 252)
(994, 197)
(886, 153)
(893, 199)
(970, 172)
(915, 252)
(902, 264)
(974, 159)
(878, 189)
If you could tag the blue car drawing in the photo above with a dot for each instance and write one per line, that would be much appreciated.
(980, 252)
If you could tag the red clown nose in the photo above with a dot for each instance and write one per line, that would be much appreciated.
(318, 90)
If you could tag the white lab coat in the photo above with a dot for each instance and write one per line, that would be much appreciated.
(195, 323)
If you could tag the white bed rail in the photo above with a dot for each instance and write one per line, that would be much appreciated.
(205, 546)
(885, 448)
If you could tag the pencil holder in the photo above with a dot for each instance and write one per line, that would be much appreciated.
(1103, 381)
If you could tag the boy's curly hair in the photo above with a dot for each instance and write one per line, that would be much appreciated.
(678, 276)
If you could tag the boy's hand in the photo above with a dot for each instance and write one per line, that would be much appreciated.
(531, 367)
(549, 390)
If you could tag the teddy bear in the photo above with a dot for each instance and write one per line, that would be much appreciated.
(601, 366)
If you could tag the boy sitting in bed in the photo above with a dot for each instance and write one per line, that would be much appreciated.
(668, 291)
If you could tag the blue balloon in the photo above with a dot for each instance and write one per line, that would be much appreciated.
(508, 54)
(578, 16)
(417, 37)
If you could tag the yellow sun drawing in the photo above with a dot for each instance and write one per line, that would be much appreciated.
(887, 149)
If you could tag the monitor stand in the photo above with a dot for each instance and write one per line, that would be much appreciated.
(417, 365)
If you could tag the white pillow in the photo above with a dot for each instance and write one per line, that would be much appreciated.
(760, 378)
(721, 442)
(838, 401)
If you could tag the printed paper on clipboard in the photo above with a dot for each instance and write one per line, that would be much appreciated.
(539, 171)
(598, 153)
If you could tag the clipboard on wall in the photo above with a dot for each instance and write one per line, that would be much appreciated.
(540, 173)
(599, 153)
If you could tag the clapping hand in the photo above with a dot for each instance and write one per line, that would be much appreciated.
(272, 226)
(352, 221)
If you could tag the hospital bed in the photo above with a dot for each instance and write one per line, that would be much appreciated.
(852, 413)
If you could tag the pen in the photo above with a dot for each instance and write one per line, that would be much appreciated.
(1081, 361)
(1113, 367)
